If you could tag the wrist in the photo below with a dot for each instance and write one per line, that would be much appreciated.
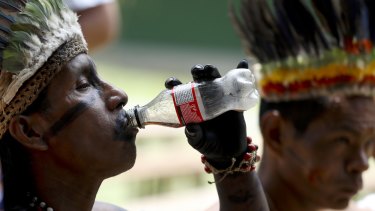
(217, 163)
(244, 163)
(225, 162)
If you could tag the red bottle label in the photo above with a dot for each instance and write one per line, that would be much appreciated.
(186, 104)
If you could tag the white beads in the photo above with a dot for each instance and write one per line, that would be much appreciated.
(43, 205)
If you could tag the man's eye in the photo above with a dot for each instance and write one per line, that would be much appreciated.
(342, 140)
(83, 85)
(370, 144)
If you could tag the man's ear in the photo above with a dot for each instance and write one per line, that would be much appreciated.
(271, 128)
(25, 131)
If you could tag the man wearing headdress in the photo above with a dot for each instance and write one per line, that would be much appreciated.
(315, 67)
(97, 33)
(63, 129)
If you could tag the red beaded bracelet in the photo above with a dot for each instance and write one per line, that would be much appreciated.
(247, 163)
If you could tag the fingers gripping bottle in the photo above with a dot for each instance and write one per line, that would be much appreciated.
(197, 102)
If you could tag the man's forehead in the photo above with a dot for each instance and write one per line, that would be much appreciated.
(350, 113)
(79, 61)
(350, 103)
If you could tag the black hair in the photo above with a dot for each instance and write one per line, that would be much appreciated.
(273, 31)
(300, 112)
(16, 174)
(16, 165)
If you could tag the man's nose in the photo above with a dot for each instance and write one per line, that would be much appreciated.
(358, 162)
(114, 97)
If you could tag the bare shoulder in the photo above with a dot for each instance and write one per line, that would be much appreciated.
(102, 206)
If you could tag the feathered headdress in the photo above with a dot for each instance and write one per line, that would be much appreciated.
(309, 48)
(37, 37)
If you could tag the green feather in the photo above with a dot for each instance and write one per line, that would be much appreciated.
(33, 20)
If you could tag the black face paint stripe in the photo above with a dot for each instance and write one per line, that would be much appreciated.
(119, 127)
(66, 119)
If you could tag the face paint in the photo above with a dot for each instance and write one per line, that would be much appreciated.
(313, 175)
(66, 119)
(120, 131)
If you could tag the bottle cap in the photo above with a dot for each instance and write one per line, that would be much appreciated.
(133, 118)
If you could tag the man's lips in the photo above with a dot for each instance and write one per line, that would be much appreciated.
(129, 130)
(126, 122)
(124, 131)
(352, 189)
(130, 134)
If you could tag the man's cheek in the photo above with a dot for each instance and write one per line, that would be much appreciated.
(315, 176)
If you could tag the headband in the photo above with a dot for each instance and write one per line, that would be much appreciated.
(37, 37)
(309, 48)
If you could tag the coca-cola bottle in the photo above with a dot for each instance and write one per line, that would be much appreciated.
(196, 102)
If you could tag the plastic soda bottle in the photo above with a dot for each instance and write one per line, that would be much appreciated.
(197, 102)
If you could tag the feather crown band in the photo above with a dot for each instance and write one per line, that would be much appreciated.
(37, 37)
(308, 48)
(30, 31)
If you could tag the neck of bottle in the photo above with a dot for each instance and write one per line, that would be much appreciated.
(133, 117)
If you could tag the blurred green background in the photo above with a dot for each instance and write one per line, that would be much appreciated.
(194, 23)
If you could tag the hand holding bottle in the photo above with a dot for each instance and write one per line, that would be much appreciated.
(222, 137)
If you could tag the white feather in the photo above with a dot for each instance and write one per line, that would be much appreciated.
(61, 28)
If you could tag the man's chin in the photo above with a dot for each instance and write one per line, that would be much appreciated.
(340, 203)
(129, 135)
(127, 164)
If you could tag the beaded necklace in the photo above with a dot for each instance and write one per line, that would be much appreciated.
(38, 204)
